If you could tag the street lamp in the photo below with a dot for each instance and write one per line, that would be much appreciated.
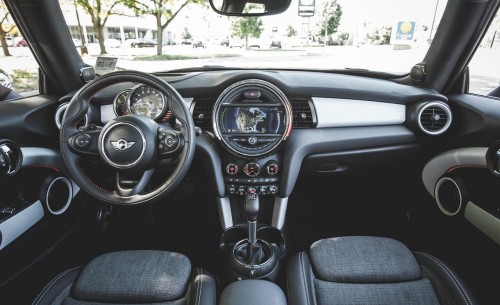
(433, 21)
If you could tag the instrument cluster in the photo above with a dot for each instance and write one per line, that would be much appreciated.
(143, 100)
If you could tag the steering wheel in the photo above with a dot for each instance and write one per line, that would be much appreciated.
(130, 144)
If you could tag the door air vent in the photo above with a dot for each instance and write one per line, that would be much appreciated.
(202, 113)
(434, 118)
(303, 114)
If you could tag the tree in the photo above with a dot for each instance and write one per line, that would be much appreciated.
(99, 12)
(5, 27)
(186, 35)
(330, 14)
(245, 27)
(290, 31)
(164, 12)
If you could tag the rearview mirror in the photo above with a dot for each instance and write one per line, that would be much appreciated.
(249, 7)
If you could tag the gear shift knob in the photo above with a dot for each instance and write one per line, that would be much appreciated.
(252, 211)
(252, 204)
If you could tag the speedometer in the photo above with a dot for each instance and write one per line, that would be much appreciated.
(147, 101)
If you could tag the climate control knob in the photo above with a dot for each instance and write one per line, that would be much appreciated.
(272, 168)
(232, 169)
(251, 169)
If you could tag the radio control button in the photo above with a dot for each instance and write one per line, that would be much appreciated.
(252, 169)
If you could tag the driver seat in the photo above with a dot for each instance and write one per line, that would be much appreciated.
(132, 277)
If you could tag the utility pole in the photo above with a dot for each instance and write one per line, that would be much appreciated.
(83, 48)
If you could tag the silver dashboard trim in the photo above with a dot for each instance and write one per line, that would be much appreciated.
(440, 164)
(16, 225)
(279, 212)
(484, 221)
(337, 112)
(225, 214)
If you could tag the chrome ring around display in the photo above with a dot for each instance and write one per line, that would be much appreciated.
(128, 102)
(123, 166)
(116, 99)
(255, 83)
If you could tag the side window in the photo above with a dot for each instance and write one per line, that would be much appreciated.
(18, 67)
(484, 67)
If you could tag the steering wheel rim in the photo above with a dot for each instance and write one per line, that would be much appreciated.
(78, 107)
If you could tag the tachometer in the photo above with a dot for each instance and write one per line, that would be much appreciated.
(147, 101)
(120, 103)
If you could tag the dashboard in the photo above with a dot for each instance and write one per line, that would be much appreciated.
(262, 128)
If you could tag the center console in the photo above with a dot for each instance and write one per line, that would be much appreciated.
(251, 120)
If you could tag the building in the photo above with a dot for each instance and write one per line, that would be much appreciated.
(122, 27)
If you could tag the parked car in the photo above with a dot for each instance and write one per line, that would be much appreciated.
(225, 43)
(112, 43)
(143, 43)
(9, 41)
(187, 42)
(275, 44)
(77, 42)
(199, 44)
(22, 43)
(236, 43)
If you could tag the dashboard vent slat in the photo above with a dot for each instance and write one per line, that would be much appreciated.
(302, 114)
(202, 113)
(434, 118)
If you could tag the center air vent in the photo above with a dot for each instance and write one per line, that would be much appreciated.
(202, 114)
(302, 114)
(434, 118)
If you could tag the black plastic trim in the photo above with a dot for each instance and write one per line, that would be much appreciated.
(304, 142)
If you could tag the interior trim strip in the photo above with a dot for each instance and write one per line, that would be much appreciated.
(279, 212)
(16, 225)
(439, 165)
(484, 221)
(225, 214)
(337, 112)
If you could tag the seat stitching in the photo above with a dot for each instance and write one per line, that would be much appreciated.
(52, 283)
(198, 289)
(448, 271)
(440, 282)
(304, 276)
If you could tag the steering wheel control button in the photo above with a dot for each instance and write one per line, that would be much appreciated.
(83, 141)
(232, 169)
(253, 94)
(251, 169)
(123, 145)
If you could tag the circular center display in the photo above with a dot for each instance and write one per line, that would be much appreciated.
(123, 145)
(252, 118)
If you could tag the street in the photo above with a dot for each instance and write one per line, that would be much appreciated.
(484, 75)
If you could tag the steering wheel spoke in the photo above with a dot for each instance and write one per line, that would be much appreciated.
(170, 142)
(85, 143)
(136, 186)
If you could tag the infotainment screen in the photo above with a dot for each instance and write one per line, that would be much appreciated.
(253, 119)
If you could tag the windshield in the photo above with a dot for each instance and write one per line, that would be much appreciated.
(384, 35)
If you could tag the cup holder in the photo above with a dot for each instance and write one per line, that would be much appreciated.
(271, 235)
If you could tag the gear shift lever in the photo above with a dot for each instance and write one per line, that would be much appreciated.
(252, 211)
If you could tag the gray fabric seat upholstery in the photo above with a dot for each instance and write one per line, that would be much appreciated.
(132, 277)
(371, 270)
